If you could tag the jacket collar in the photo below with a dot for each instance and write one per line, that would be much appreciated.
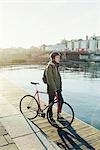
(51, 63)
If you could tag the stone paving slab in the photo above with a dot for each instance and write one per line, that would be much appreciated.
(9, 147)
(8, 139)
(16, 126)
(5, 138)
(2, 131)
(3, 141)
(3, 101)
(29, 142)
(7, 110)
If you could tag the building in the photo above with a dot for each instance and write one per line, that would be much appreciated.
(56, 47)
(90, 45)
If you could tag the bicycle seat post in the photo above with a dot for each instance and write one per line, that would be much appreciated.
(37, 93)
(36, 87)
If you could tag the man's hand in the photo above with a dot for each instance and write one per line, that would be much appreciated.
(56, 93)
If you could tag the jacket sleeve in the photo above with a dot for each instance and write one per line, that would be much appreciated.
(50, 80)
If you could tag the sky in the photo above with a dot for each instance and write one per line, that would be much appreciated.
(26, 23)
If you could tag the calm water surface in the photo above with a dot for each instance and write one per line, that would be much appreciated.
(82, 92)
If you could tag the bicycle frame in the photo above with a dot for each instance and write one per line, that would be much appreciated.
(38, 98)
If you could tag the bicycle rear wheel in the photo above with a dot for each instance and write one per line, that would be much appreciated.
(67, 115)
(29, 106)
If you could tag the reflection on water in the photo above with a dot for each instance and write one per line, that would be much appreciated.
(79, 89)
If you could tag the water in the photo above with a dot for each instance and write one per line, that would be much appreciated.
(81, 92)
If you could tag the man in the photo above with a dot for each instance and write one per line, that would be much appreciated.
(54, 83)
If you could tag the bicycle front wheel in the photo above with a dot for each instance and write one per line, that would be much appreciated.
(29, 106)
(66, 116)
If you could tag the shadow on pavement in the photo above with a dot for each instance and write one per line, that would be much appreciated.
(70, 139)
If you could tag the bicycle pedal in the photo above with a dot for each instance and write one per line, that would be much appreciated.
(43, 115)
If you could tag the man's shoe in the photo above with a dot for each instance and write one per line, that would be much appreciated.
(60, 118)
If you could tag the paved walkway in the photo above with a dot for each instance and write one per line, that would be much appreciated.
(15, 133)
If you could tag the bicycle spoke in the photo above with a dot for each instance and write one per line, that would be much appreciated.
(66, 115)
(29, 107)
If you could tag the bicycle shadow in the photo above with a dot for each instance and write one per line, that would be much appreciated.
(71, 139)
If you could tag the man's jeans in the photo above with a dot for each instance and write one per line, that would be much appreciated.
(60, 101)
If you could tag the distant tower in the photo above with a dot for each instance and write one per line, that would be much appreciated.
(94, 35)
(64, 41)
(43, 47)
(86, 37)
(87, 41)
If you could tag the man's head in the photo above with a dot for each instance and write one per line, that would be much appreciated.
(55, 57)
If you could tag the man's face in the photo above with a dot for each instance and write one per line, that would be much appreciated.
(57, 59)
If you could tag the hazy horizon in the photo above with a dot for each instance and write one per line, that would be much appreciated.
(33, 23)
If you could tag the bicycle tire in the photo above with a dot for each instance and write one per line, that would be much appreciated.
(54, 122)
(29, 106)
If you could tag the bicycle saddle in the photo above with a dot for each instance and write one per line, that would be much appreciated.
(34, 83)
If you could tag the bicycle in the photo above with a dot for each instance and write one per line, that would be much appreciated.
(30, 107)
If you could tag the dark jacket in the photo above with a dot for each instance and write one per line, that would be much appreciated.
(53, 77)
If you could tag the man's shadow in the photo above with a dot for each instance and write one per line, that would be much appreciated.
(70, 139)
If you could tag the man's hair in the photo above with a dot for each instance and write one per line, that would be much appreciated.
(54, 54)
